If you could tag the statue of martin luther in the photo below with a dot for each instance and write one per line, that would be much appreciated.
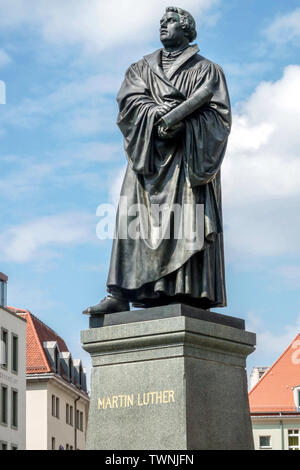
(174, 114)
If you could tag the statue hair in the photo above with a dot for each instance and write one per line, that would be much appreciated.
(186, 20)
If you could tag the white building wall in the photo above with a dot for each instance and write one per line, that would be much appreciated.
(15, 325)
(42, 426)
(276, 428)
(256, 374)
(63, 432)
(267, 429)
(36, 415)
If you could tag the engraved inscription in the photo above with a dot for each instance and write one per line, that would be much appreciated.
(161, 397)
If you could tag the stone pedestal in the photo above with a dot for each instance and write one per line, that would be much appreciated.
(168, 378)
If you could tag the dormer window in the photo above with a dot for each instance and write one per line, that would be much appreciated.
(56, 360)
(80, 376)
(54, 355)
(297, 397)
(70, 369)
(3, 287)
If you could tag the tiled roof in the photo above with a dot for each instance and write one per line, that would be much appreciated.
(37, 333)
(274, 391)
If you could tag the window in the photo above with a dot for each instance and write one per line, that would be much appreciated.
(14, 353)
(297, 397)
(67, 414)
(81, 421)
(14, 408)
(293, 439)
(14, 447)
(56, 359)
(77, 419)
(4, 348)
(57, 407)
(70, 369)
(80, 376)
(3, 405)
(71, 447)
(3, 445)
(67, 447)
(53, 405)
(53, 443)
(71, 415)
(264, 442)
(3, 287)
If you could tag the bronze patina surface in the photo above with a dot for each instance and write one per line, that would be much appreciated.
(174, 114)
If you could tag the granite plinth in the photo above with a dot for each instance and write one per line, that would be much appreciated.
(159, 313)
(174, 382)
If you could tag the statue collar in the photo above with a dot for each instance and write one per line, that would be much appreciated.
(154, 61)
(174, 54)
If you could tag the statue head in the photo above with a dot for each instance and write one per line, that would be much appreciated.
(177, 27)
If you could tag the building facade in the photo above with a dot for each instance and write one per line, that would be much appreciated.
(278, 431)
(57, 401)
(256, 374)
(275, 403)
(12, 380)
(3, 290)
(56, 414)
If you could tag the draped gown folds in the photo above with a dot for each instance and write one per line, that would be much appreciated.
(185, 172)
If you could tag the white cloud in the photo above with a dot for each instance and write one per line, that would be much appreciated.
(242, 77)
(81, 107)
(116, 185)
(25, 180)
(78, 98)
(44, 237)
(285, 29)
(261, 230)
(86, 120)
(244, 69)
(32, 297)
(4, 58)
(97, 151)
(261, 170)
(271, 344)
(96, 24)
(25, 176)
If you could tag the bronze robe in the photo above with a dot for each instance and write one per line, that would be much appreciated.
(184, 170)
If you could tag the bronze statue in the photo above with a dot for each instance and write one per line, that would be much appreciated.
(174, 114)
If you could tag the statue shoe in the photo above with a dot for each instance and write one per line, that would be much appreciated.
(108, 305)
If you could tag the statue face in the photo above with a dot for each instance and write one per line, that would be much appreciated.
(171, 32)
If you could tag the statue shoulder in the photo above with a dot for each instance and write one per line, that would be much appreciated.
(138, 67)
(205, 65)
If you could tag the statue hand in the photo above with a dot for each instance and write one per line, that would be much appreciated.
(163, 109)
(165, 134)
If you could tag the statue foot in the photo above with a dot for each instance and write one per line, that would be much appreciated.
(108, 305)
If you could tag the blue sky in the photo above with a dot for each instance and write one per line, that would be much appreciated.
(61, 153)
